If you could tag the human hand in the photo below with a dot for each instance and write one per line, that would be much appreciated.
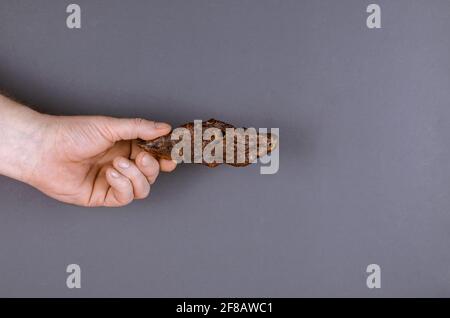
(83, 160)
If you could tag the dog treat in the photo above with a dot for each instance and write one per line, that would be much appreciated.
(244, 149)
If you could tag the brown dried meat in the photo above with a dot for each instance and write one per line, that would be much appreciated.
(161, 148)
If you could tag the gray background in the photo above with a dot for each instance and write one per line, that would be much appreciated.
(364, 121)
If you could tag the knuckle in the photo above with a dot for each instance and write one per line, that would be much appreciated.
(95, 202)
(138, 121)
(152, 170)
(121, 204)
(125, 199)
(129, 200)
(144, 193)
(152, 177)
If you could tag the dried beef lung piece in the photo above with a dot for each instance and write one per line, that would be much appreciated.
(161, 148)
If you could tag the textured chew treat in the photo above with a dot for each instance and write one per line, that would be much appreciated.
(161, 148)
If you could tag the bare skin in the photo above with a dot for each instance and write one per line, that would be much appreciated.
(81, 160)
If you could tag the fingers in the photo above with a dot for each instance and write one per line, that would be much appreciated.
(126, 180)
(139, 182)
(121, 190)
(138, 154)
(167, 165)
(148, 165)
(128, 129)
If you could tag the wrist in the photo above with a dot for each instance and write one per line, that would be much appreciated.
(22, 139)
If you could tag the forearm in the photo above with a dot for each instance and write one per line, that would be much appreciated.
(21, 134)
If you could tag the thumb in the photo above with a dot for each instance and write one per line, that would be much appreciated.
(133, 128)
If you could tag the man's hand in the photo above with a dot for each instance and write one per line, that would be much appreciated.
(83, 160)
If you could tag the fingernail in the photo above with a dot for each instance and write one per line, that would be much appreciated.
(146, 160)
(114, 174)
(124, 164)
(162, 126)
